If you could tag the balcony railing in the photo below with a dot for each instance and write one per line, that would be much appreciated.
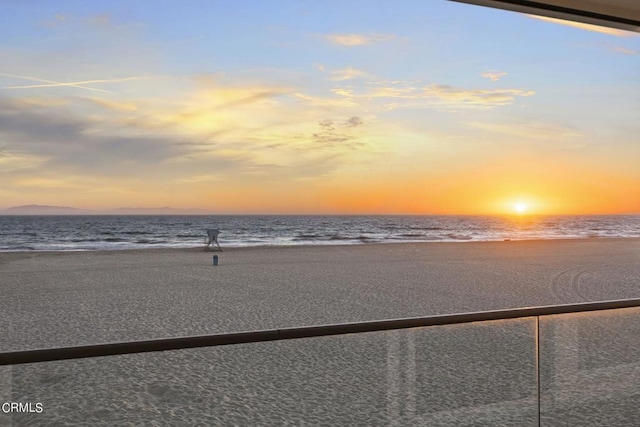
(575, 364)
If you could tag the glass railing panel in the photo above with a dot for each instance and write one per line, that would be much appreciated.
(468, 374)
(590, 368)
(481, 374)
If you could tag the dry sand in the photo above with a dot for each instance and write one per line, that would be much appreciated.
(477, 374)
(70, 298)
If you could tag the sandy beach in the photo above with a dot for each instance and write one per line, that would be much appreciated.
(72, 298)
(61, 299)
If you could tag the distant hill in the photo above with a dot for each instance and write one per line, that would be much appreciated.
(45, 210)
(67, 210)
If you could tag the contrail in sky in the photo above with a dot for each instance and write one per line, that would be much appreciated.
(52, 83)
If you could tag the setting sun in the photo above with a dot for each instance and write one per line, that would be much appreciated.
(520, 207)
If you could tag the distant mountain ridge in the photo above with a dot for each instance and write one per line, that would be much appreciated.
(68, 210)
(44, 210)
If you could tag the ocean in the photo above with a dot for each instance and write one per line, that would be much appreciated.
(113, 232)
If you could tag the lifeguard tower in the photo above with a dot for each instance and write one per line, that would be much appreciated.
(212, 239)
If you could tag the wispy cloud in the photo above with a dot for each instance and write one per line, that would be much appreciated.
(334, 132)
(214, 125)
(439, 94)
(204, 178)
(351, 40)
(99, 20)
(15, 161)
(494, 76)
(492, 97)
(325, 102)
(348, 73)
(49, 183)
(343, 92)
(57, 20)
(528, 129)
(53, 83)
(625, 51)
(395, 91)
(42, 101)
(354, 121)
(114, 105)
(70, 141)
(212, 93)
(48, 83)
(588, 27)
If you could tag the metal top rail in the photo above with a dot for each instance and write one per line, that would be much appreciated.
(132, 347)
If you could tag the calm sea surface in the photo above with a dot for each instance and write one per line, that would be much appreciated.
(93, 232)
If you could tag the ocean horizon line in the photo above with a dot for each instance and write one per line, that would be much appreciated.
(500, 215)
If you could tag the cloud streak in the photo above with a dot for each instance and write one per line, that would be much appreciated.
(494, 76)
(53, 83)
(353, 40)
(348, 73)
(625, 51)
(435, 93)
(491, 97)
(528, 130)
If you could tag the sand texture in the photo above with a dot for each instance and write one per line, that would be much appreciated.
(59, 299)
(477, 374)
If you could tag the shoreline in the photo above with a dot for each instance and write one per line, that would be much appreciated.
(67, 235)
(327, 246)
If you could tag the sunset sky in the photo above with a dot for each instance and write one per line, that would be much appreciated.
(412, 107)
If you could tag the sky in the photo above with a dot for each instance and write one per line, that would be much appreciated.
(308, 107)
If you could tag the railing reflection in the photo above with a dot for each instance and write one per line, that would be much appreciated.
(534, 369)
(590, 368)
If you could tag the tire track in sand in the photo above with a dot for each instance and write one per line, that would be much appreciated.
(565, 285)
